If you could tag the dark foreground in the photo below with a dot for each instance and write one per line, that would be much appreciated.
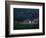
(25, 26)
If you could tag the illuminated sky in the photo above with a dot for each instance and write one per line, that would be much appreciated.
(20, 14)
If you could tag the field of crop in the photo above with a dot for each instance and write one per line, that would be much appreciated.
(18, 26)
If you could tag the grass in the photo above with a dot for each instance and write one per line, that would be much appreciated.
(18, 26)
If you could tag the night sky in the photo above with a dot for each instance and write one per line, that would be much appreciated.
(20, 14)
